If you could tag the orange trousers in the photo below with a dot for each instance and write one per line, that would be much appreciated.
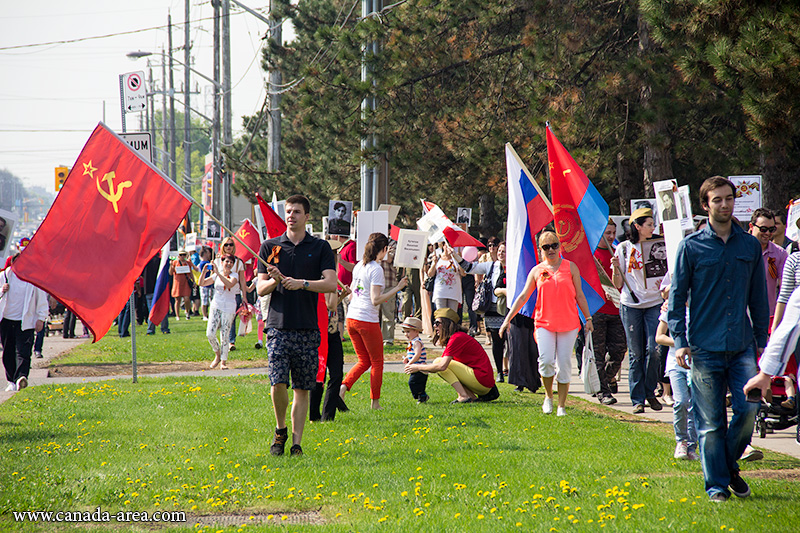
(368, 344)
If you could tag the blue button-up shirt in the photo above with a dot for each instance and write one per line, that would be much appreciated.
(721, 280)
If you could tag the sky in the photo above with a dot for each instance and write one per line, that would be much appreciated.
(53, 96)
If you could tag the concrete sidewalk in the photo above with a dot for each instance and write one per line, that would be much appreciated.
(780, 441)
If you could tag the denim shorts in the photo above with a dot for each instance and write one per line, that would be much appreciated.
(295, 352)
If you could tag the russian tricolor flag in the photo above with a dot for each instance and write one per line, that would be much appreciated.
(160, 306)
(581, 217)
(529, 212)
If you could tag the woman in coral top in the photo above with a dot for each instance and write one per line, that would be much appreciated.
(558, 285)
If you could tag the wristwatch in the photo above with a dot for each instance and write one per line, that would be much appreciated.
(305, 284)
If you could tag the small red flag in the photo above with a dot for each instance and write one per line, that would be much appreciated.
(275, 226)
(114, 212)
(248, 234)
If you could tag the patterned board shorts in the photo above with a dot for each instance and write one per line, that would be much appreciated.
(293, 351)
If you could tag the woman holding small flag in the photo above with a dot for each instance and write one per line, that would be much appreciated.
(558, 285)
(223, 307)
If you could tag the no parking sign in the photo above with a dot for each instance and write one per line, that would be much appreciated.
(132, 92)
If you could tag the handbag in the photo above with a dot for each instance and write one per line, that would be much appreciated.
(483, 295)
(591, 381)
(429, 283)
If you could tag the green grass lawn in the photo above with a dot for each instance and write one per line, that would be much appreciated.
(200, 445)
(186, 343)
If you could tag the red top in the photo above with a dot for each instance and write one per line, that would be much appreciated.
(467, 351)
(604, 256)
(348, 253)
(556, 309)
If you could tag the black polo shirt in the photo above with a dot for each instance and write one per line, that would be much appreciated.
(296, 309)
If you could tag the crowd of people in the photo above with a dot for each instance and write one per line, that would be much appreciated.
(691, 340)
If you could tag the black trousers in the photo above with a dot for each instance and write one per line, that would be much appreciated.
(17, 348)
(417, 383)
(68, 330)
(332, 400)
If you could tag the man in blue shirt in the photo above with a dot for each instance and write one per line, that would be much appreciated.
(720, 272)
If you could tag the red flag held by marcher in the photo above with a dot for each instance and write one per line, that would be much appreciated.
(114, 212)
(275, 226)
(248, 234)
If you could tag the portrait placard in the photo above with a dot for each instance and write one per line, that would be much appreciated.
(8, 222)
(646, 202)
(654, 254)
(340, 215)
(464, 216)
(667, 200)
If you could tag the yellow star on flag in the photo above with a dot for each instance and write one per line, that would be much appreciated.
(88, 169)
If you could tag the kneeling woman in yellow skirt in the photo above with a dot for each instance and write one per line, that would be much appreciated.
(464, 364)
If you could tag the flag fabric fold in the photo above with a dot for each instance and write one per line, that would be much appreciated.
(114, 212)
(581, 217)
(275, 225)
(529, 212)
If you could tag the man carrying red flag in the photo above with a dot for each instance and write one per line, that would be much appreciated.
(297, 266)
(112, 215)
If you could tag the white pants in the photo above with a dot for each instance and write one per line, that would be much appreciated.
(219, 321)
(555, 353)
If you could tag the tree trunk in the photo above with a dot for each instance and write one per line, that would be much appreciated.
(630, 186)
(657, 161)
(489, 226)
(778, 172)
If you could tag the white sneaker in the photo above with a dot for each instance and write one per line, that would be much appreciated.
(11, 387)
(22, 382)
(668, 400)
(547, 406)
(681, 451)
(693, 455)
(561, 411)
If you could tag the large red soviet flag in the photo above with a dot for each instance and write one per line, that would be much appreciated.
(114, 212)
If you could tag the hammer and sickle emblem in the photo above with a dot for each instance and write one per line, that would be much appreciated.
(112, 195)
(243, 233)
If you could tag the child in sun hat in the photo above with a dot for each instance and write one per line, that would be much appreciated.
(415, 355)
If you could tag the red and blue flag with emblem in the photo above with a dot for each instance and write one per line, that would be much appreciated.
(529, 212)
(581, 217)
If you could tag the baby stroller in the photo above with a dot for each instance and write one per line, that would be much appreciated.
(772, 416)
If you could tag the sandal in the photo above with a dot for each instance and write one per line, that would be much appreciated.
(214, 363)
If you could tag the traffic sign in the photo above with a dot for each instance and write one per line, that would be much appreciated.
(141, 143)
(133, 92)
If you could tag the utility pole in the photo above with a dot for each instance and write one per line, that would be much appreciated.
(227, 130)
(374, 171)
(275, 80)
(215, 154)
(164, 137)
(187, 147)
(173, 138)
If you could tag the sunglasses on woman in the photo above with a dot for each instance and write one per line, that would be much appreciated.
(437, 323)
(553, 246)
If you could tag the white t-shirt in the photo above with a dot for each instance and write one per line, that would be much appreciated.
(672, 359)
(632, 264)
(364, 277)
(238, 268)
(224, 298)
(448, 281)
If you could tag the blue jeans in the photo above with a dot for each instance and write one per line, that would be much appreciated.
(643, 361)
(683, 410)
(124, 320)
(721, 445)
(151, 328)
